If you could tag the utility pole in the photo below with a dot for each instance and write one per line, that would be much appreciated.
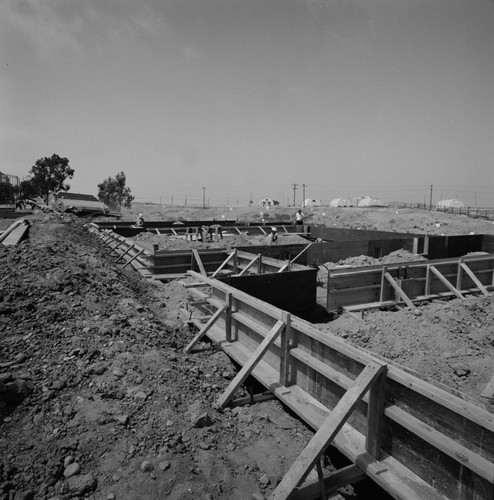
(294, 187)
(430, 202)
(185, 200)
(203, 197)
(303, 194)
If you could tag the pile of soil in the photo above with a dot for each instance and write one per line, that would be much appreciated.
(97, 399)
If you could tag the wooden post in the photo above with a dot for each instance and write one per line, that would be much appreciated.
(235, 262)
(375, 414)
(259, 263)
(228, 316)
(383, 281)
(427, 290)
(285, 350)
(459, 272)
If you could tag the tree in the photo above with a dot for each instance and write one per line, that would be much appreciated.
(49, 175)
(114, 193)
(26, 190)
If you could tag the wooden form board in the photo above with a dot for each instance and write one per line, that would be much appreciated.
(432, 445)
(418, 280)
(169, 262)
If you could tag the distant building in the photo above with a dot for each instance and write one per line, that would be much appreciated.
(268, 202)
(367, 201)
(79, 203)
(453, 203)
(310, 202)
(340, 202)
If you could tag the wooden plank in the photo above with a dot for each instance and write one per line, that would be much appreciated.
(327, 432)
(132, 259)
(247, 267)
(488, 391)
(197, 257)
(225, 262)
(399, 291)
(205, 330)
(445, 282)
(311, 490)
(248, 367)
(474, 278)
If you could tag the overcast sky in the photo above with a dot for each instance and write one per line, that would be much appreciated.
(247, 97)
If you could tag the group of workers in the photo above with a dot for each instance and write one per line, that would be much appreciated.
(206, 232)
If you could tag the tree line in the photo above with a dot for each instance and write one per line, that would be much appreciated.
(49, 175)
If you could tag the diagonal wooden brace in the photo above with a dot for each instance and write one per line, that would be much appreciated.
(251, 364)
(327, 432)
(206, 328)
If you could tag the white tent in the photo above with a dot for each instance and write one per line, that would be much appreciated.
(309, 202)
(367, 201)
(266, 202)
(340, 202)
(450, 204)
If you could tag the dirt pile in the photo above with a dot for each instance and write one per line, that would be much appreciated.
(97, 398)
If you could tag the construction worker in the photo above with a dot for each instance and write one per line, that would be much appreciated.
(299, 220)
(272, 237)
(140, 221)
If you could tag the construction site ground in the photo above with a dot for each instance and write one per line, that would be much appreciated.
(97, 399)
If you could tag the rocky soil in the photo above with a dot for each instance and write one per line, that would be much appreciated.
(98, 401)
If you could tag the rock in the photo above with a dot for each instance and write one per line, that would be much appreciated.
(164, 465)
(147, 466)
(72, 470)
(118, 373)
(122, 419)
(258, 496)
(140, 396)
(264, 479)
(81, 485)
(203, 420)
(68, 460)
(20, 358)
(96, 369)
(24, 495)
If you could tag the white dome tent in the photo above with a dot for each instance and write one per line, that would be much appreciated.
(340, 202)
(309, 202)
(367, 201)
(453, 203)
(266, 203)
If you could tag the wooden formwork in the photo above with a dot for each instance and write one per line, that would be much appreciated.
(375, 286)
(415, 440)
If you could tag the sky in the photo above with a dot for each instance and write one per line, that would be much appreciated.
(224, 101)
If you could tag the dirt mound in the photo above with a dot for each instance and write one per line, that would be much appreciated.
(97, 399)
